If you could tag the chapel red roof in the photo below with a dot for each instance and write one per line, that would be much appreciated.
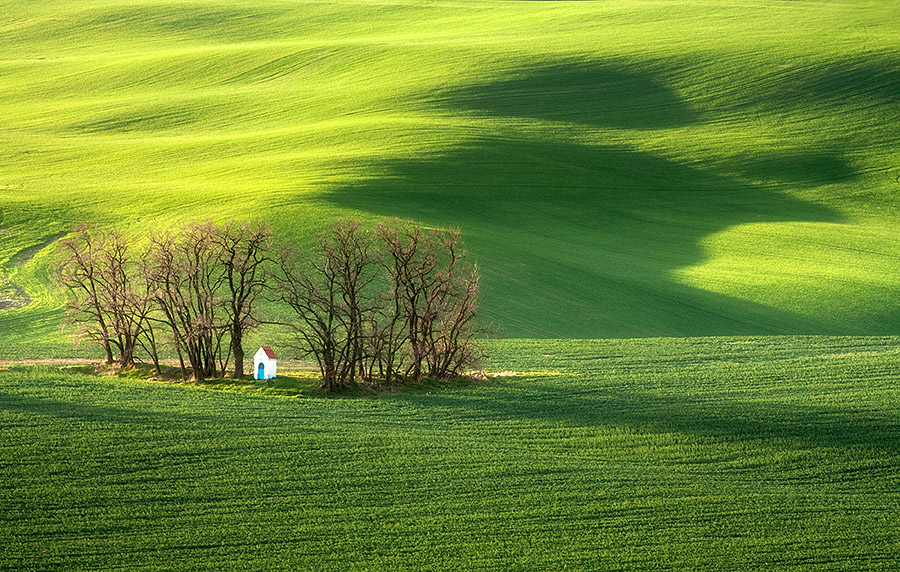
(269, 352)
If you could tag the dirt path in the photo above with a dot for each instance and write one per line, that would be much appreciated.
(19, 298)
(11, 294)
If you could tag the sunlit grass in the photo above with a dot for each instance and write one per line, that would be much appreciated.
(623, 168)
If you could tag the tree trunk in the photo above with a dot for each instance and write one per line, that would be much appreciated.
(237, 348)
(154, 354)
(109, 354)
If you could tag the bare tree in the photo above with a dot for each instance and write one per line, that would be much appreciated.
(451, 342)
(161, 272)
(203, 283)
(243, 256)
(81, 272)
(402, 300)
(396, 303)
(185, 278)
(98, 272)
(121, 301)
(389, 336)
(435, 293)
(312, 293)
(405, 263)
(333, 298)
(348, 248)
(145, 311)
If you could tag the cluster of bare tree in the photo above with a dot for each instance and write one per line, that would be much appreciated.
(200, 285)
(397, 302)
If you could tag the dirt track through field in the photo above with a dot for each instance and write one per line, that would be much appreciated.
(19, 259)
(21, 296)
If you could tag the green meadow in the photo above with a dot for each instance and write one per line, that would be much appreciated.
(769, 453)
(685, 214)
(625, 168)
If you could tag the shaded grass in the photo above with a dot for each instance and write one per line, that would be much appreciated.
(597, 240)
(295, 379)
(706, 453)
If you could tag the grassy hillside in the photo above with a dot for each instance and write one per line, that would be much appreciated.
(707, 454)
(619, 168)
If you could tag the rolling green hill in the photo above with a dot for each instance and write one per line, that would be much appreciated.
(619, 168)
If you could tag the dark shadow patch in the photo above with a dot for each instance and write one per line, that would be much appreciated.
(596, 94)
(597, 231)
(97, 413)
(805, 426)
(853, 81)
(797, 169)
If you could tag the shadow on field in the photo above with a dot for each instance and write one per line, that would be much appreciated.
(853, 82)
(578, 240)
(799, 170)
(104, 414)
(806, 426)
(596, 94)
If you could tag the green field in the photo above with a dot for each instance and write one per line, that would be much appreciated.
(771, 453)
(688, 179)
(623, 168)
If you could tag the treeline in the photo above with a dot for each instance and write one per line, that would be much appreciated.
(382, 305)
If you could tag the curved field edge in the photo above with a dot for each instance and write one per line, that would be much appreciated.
(705, 454)
(619, 169)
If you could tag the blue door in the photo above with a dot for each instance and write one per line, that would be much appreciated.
(261, 371)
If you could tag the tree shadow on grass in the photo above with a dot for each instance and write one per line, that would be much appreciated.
(581, 240)
(859, 81)
(718, 417)
(95, 413)
(578, 241)
(595, 94)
